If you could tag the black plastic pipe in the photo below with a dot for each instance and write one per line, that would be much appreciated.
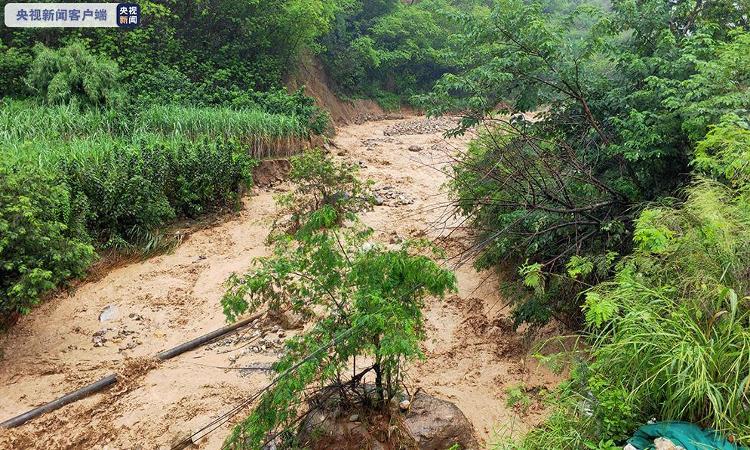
(112, 379)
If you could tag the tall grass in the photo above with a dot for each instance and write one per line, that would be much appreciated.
(266, 134)
(674, 326)
(29, 129)
(23, 121)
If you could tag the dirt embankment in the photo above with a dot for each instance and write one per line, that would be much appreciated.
(310, 74)
(116, 323)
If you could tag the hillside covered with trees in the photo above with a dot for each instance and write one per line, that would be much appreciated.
(608, 167)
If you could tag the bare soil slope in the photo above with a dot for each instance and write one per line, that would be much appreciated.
(472, 354)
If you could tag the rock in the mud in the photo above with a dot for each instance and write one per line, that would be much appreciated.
(289, 320)
(419, 126)
(108, 313)
(378, 200)
(98, 338)
(437, 424)
(415, 148)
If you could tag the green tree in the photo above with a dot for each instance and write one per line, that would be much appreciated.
(391, 50)
(607, 90)
(366, 301)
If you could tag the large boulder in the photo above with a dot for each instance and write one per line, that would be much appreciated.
(427, 423)
(437, 424)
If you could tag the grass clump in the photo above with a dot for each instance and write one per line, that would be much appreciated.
(265, 134)
(22, 121)
(672, 327)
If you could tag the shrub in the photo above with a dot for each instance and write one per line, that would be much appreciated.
(73, 75)
(42, 242)
(14, 64)
(136, 188)
(319, 181)
(296, 104)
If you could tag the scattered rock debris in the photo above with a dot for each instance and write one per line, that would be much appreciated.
(390, 196)
(420, 126)
(370, 117)
(369, 143)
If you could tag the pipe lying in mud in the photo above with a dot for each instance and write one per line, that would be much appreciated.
(60, 402)
(112, 379)
(197, 342)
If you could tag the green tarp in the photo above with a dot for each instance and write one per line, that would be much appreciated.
(684, 434)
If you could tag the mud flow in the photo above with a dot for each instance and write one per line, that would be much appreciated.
(117, 323)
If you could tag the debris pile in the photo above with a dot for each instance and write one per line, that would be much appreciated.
(389, 196)
(420, 126)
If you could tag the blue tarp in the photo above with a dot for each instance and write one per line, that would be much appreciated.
(684, 434)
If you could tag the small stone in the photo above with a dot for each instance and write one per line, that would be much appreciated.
(378, 200)
(354, 418)
(415, 148)
(108, 313)
(404, 405)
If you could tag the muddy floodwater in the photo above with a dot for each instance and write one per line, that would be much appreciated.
(118, 322)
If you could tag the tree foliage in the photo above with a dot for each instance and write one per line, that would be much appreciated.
(668, 326)
(615, 102)
(42, 240)
(201, 52)
(386, 49)
(365, 301)
(319, 181)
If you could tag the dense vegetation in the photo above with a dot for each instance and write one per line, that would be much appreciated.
(620, 101)
(611, 167)
(107, 137)
(390, 50)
